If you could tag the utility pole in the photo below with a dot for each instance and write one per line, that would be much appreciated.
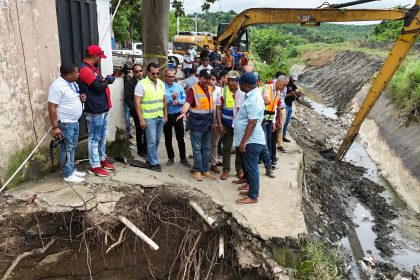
(196, 23)
(177, 25)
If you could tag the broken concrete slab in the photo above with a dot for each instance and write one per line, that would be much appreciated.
(67, 197)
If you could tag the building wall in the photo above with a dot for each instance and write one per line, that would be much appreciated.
(29, 62)
(116, 114)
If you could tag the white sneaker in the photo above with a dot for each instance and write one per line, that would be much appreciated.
(73, 179)
(79, 174)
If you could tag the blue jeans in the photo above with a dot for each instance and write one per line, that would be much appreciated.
(250, 166)
(288, 117)
(68, 147)
(153, 132)
(265, 153)
(97, 130)
(200, 142)
(127, 118)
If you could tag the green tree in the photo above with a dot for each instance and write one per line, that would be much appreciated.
(185, 24)
(127, 21)
(387, 30)
(266, 44)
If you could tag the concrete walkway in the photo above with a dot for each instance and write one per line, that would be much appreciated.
(277, 215)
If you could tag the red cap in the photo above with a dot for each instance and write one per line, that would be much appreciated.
(95, 50)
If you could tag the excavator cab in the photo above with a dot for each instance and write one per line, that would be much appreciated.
(241, 40)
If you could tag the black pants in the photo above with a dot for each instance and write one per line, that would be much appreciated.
(179, 133)
(274, 136)
(140, 134)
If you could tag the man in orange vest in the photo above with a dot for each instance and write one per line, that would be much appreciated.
(199, 106)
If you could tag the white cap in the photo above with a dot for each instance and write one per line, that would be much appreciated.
(295, 76)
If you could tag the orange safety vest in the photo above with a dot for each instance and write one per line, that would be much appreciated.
(270, 109)
(203, 105)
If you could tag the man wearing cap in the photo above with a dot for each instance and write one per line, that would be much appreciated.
(249, 136)
(97, 105)
(292, 94)
(199, 104)
(151, 108)
(175, 98)
(231, 99)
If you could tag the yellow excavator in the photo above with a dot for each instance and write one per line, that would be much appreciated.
(235, 34)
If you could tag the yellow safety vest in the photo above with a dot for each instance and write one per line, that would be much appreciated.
(229, 100)
(152, 101)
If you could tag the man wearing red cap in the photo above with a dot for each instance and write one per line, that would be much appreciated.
(97, 106)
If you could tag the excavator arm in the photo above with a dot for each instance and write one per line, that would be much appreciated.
(313, 17)
(303, 16)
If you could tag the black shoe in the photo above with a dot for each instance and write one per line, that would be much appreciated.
(156, 168)
(269, 173)
(285, 139)
(185, 162)
(142, 154)
(170, 162)
(273, 167)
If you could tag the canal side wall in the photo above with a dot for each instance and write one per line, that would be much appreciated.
(394, 146)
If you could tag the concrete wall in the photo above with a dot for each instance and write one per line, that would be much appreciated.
(29, 62)
(116, 114)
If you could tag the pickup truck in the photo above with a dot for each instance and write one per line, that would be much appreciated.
(134, 55)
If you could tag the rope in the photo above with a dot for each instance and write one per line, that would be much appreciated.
(26, 160)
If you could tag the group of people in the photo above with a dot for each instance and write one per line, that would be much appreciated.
(226, 108)
(230, 59)
(79, 89)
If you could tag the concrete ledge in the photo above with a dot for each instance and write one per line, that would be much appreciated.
(278, 215)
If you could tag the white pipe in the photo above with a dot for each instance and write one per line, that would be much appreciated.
(138, 232)
(209, 220)
(221, 246)
(24, 162)
(110, 24)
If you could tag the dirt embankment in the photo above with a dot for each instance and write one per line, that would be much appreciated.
(391, 141)
(340, 79)
(88, 244)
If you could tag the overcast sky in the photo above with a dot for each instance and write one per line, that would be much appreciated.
(192, 6)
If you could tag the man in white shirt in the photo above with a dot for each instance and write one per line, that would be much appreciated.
(205, 65)
(187, 64)
(193, 52)
(230, 101)
(215, 136)
(65, 109)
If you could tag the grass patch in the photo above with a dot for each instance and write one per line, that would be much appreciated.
(404, 88)
(319, 262)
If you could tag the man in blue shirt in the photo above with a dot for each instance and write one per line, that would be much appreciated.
(249, 136)
(175, 97)
(237, 59)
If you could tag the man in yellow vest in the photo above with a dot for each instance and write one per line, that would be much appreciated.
(151, 107)
(199, 106)
(231, 99)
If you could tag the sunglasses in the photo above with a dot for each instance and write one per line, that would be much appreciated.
(138, 71)
(154, 74)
